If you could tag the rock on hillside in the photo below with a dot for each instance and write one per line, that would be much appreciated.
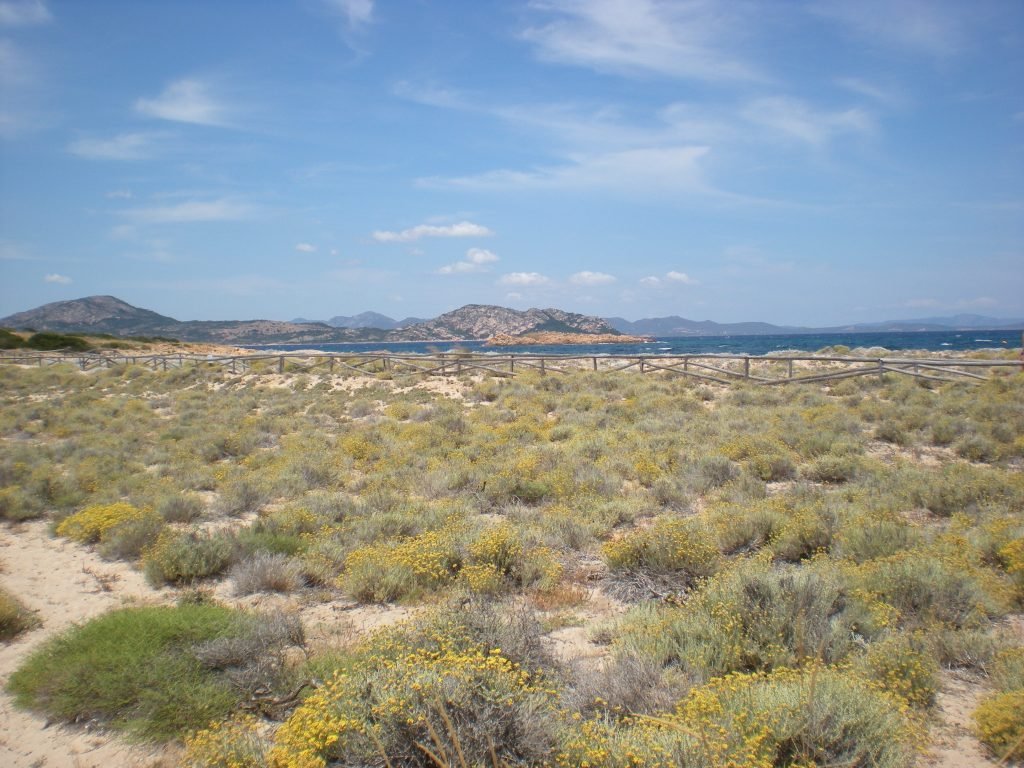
(482, 321)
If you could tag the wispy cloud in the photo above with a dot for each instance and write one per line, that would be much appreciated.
(186, 101)
(524, 279)
(24, 13)
(125, 146)
(698, 39)
(462, 229)
(305, 248)
(933, 27)
(882, 94)
(191, 211)
(476, 260)
(356, 12)
(58, 279)
(649, 170)
(589, 278)
(795, 119)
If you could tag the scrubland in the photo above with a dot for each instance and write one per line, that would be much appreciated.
(590, 569)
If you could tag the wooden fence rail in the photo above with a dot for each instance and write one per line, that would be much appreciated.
(723, 369)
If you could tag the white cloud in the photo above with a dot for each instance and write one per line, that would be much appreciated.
(698, 39)
(12, 252)
(981, 302)
(881, 94)
(190, 211)
(125, 146)
(462, 229)
(680, 277)
(305, 248)
(650, 280)
(795, 119)
(591, 278)
(645, 170)
(357, 12)
(24, 13)
(514, 296)
(185, 101)
(934, 27)
(59, 279)
(524, 279)
(119, 194)
(476, 260)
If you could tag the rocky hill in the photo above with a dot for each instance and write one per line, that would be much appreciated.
(482, 321)
(107, 314)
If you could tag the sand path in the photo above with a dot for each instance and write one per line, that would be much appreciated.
(64, 584)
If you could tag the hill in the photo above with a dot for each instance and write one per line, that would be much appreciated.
(107, 314)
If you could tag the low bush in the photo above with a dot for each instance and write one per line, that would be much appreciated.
(15, 618)
(903, 666)
(812, 717)
(266, 572)
(182, 557)
(435, 686)
(92, 523)
(672, 545)
(754, 617)
(181, 508)
(135, 669)
(999, 724)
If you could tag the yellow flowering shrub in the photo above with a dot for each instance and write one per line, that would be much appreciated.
(903, 667)
(815, 716)
(670, 545)
(999, 724)
(408, 688)
(93, 523)
(240, 742)
(392, 570)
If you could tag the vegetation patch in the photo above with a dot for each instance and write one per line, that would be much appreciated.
(140, 670)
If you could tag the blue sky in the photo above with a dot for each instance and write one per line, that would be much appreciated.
(796, 161)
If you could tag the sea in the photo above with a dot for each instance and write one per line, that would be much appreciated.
(704, 345)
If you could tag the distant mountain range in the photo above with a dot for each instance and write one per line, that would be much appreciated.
(367, 320)
(107, 314)
(680, 326)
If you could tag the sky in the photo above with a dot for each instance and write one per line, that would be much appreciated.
(804, 162)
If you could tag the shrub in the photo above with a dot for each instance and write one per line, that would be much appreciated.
(804, 534)
(925, 588)
(239, 742)
(450, 692)
(903, 666)
(862, 540)
(393, 570)
(53, 342)
(16, 504)
(817, 716)
(999, 724)
(181, 508)
(1008, 669)
(266, 572)
(90, 525)
(179, 557)
(832, 469)
(15, 618)
(751, 618)
(129, 539)
(131, 670)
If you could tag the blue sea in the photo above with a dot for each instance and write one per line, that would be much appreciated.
(703, 345)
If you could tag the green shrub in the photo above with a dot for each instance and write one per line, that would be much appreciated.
(135, 669)
(832, 469)
(182, 557)
(1008, 669)
(15, 618)
(181, 507)
(753, 617)
(865, 539)
(10, 340)
(53, 342)
(16, 504)
(813, 717)
(129, 539)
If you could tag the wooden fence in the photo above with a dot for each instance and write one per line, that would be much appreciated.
(722, 369)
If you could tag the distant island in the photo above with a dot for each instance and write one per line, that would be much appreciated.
(549, 337)
(477, 322)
